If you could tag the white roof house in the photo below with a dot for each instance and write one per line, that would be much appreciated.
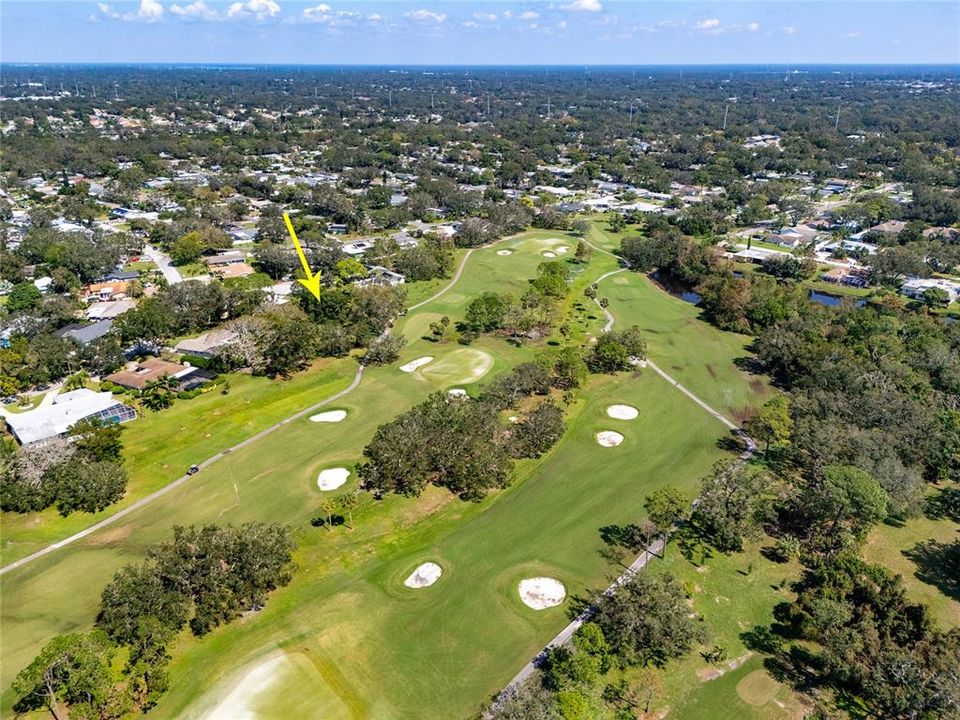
(66, 410)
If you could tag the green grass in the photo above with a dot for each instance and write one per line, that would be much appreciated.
(160, 446)
(696, 354)
(382, 650)
(733, 593)
(889, 545)
(141, 266)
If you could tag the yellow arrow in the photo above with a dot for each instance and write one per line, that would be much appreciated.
(312, 283)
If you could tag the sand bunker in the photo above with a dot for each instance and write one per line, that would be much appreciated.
(457, 392)
(513, 419)
(424, 576)
(541, 593)
(332, 478)
(329, 416)
(609, 438)
(414, 364)
(549, 254)
(622, 412)
(562, 249)
(504, 252)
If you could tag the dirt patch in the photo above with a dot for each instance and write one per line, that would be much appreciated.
(108, 537)
(756, 384)
(709, 673)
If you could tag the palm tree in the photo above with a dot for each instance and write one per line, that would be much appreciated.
(76, 381)
(327, 506)
(158, 394)
(347, 503)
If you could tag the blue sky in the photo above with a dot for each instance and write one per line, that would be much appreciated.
(470, 32)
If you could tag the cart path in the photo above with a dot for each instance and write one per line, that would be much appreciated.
(170, 487)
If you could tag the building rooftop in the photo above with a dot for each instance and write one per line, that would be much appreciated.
(66, 410)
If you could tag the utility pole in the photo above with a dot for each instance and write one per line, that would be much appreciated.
(94, 90)
(390, 98)
(725, 111)
(548, 106)
(836, 125)
(488, 107)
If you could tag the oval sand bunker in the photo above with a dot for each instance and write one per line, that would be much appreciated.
(424, 576)
(562, 249)
(332, 478)
(414, 364)
(504, 252)
(329, 416)
(549, 254)
(609, 438)
(541, 593)
(622, 412)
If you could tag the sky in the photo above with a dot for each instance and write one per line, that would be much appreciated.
(520, 32)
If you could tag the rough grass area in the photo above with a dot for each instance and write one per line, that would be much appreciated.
(462, 366)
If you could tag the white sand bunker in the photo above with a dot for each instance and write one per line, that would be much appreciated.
(414, 364)
(562, 249)
(622, 412)
(457, 392)
(504, 252)
(329, 416)
(332, 478)
(549, 254)
(424, 576)
(541, 593)
(609, 438)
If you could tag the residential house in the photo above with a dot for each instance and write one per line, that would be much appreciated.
(378, 275)
(86, 334)
(208, 344)
(916, 287)
(150, 370)
(104, 291)
(64, 412)
(109, 309)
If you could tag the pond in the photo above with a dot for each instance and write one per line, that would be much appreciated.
(691, 297)
(832, 300)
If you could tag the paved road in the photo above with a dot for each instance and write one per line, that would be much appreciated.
(143, 502)
(163, 262)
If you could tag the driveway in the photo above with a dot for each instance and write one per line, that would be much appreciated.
(163, 262)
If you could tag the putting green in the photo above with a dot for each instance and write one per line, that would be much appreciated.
(462, 366)
(758, 688)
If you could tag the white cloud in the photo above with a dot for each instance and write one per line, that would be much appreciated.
(529, 15)
(470, 24)
(789, 30)
(489, 17)
(708, 24)
(753, 26)
(584, 6)
(374, 18)
(148, 11)
(851, 35)
(259, 9)
(197, 10)
(422, 15)
(507, 14)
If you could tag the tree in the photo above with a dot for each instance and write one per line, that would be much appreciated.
(350, 268)
(486, 312)
(24, 296)
(849, 496)
(187, 249)
(136, 593)
(617, 222)
(70, 676)
(285, 340)
(647, 620)
(584, 252)
(773, 424)
(327, 507)
(569, 370)
(581, 227)
(384, 350)
(158, 394)
(87, 486)
(348, 503)
(665, 508)
(934, 297)
(730, 506)
(538, 432)
(96, 440)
